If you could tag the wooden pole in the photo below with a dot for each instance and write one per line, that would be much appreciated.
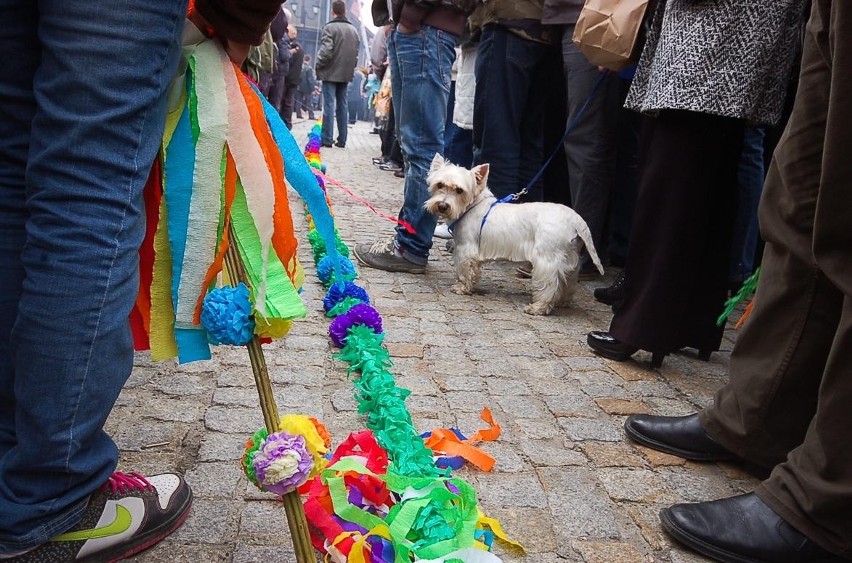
(299, 531)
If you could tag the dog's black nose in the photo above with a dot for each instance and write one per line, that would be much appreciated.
(442, 207)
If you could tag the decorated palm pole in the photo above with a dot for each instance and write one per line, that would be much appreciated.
(218, 263)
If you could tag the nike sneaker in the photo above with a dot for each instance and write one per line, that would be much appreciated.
(128, 514)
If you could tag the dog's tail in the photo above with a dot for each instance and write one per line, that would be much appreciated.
(586, 236)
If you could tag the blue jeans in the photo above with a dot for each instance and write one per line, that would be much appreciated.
(750, 179)
(422, 62)
(334, 92)
(82, 112)
(508, 113)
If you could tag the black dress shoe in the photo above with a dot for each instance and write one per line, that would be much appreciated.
(682, 436)
(327, 145)
(339, 144)
(614, 294)
(741, 529)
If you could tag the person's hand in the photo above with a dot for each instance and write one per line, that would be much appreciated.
(405, 29)
(237, 52)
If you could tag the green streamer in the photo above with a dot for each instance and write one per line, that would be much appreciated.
(748, 288)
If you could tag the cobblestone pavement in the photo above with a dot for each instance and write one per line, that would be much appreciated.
(567, 482)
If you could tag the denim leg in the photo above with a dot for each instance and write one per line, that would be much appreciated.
(508, 121)
(591, 147)
(342, 112)
(750, 180)
(329, 95)
(19, 42)
(96, 99)
(422, 61)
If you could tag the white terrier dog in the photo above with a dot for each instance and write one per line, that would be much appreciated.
(548, 235)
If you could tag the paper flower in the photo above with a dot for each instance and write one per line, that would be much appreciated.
(301, 425)
(282, 463)
(337, 293)
(322, 431)
(343, 306)
(361, 314)
(226, 315)
(272, 328)
(325, 269)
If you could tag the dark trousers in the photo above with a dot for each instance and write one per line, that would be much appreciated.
(390, 144)
(288, 104)
(508, 109)
(680, 245)
(788, 404)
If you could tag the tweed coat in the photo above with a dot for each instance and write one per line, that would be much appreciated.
(723, 57)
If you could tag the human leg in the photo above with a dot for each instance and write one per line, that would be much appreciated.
(342, 113)
(287, 106)
(329, 95)
(90, 147)
(591, 147)
(423, 62)
(676, 273)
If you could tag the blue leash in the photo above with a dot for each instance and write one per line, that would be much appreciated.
(568, 129)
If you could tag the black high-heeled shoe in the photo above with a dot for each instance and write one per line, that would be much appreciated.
(608, 346)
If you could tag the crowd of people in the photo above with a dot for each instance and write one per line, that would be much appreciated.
(665, 162)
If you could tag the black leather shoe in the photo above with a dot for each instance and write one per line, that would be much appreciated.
(614, 294)
(741, 529)
(609, 346)
(327, 145)
(682, 436)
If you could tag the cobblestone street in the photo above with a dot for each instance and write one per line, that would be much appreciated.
(567, 483)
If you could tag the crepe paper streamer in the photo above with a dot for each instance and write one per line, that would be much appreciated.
(312, 149)
(325, 270)
(746, 290)
(338, 292)
(322, 431)
(222, 163)
(363, 445)
(361, 314)
(226, 315)
(465, 555)
(395, 501)
(456, 462)
(496, 529)
(319, 245)
(343, 306)
(746, 313)
(404, 224)
(281, 463)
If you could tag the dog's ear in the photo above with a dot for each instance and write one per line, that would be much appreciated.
(480, 173)
(437, 162)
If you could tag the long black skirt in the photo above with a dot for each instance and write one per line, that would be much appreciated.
(680, 244)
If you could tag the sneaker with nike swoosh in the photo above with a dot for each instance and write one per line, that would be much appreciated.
(128, 514)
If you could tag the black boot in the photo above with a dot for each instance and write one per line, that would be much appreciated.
(614, 294)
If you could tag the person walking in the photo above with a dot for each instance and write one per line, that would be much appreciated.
(335, 66)
(83, 101)
(787, 407)
(421, 51)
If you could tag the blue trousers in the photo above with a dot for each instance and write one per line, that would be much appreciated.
(82, 112)
(335, 103)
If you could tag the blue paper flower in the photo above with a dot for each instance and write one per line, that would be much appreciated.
(226, 315)
(338, 292)
(325, 269)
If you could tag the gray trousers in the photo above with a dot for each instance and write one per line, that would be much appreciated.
(591, 147)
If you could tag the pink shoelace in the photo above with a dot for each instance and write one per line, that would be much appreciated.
(122, 483)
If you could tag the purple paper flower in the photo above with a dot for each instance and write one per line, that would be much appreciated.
(282, 463)
(361, 314)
